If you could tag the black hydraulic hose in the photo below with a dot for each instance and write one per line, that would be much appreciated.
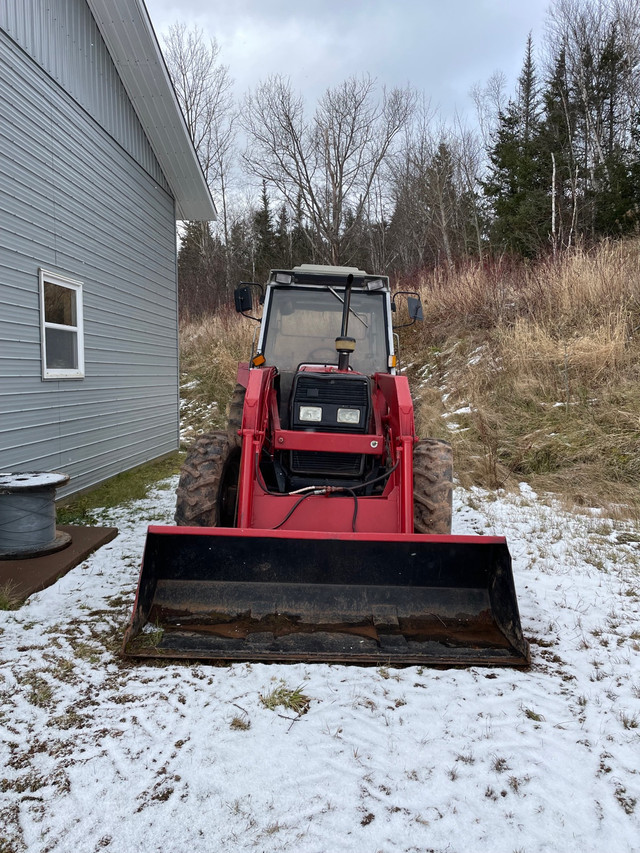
(323, 490)
(384, 476)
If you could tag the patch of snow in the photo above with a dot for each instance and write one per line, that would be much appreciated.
(527, 491)
(22, 480)
(101, 753)
(476, 356)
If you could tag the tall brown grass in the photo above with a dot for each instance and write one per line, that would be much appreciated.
(210, 350)
(531, 370)
(547, 359)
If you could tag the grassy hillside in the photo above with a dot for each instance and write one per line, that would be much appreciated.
(531, 371)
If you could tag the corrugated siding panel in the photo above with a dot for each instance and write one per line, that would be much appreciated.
(74, 202)
(62, 37)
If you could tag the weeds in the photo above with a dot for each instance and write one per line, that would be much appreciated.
(629, 721)
(9, 599)
(41, 691)
(500, 765)
(533, 715)
(209, 354)
(627, 803)
(282, 696)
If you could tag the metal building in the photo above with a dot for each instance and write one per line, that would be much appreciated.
(96, 165)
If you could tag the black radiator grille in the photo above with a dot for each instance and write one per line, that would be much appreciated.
(338, 392)
(336, 464)
(330, 393)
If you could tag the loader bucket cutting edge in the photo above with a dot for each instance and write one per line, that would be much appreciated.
(243, 594)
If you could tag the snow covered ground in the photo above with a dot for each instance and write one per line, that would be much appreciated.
(97, 753)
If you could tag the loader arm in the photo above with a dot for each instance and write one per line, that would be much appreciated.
(254, 428)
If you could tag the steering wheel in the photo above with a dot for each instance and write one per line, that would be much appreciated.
(318, 353)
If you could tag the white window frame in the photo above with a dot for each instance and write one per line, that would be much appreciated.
(76, 288)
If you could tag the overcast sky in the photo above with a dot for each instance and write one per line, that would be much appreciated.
(440, 47)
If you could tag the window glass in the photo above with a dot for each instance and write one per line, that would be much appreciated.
(59, 304)
(303, 325)
(62, 349)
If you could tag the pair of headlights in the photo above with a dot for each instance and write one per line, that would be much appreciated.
(313, 414)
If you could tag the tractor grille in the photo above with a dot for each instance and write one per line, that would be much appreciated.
(341, 391)
(329, 464)
(329, 393)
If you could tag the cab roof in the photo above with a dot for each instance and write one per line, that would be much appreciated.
(321, 274)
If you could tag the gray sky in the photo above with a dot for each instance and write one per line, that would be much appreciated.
(440, 47)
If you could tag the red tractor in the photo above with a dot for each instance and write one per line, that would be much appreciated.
(318, 527)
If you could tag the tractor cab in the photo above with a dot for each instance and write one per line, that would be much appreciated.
(327, 331)
(303, 316)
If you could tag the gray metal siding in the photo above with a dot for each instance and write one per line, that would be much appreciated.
(62, 37)
(73, 202)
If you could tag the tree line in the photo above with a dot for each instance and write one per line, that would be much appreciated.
(371, 177)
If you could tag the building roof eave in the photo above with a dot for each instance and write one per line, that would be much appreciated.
(128, 33)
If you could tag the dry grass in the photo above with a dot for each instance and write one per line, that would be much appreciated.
(546, 360)
(282, 696)
(210, 351)
(9, 598)
(532, 371)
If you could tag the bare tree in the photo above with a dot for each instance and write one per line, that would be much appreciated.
(204, 90)
(490, 100)
(436, 219)
(328, 163)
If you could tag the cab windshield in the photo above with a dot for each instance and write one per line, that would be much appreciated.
(303, 324)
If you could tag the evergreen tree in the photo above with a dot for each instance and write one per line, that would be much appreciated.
(283, 239)
(558, 139)
(301, 247)
(265, 251)
(200, 271)
(519, 181)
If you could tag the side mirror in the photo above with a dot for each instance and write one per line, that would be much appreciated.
(243, 299)
(414, 307)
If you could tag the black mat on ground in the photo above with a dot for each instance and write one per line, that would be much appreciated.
(33, 574)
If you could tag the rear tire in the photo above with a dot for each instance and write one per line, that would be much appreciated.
(234, 415)
(208, 486)
(432, 486)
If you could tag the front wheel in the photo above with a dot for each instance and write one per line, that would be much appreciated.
(432, 486)
(208, 486)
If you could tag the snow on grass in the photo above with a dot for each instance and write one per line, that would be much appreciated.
(98, 753)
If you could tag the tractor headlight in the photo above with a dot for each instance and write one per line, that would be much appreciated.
(348, 416)
(310, 413)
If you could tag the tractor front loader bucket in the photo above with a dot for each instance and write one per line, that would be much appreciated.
(256, 595)
(229, 594)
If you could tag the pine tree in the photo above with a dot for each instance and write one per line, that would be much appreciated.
(558, 139)
(283, 239)
(519, 182)
(265, 252)
(301, 248)
(200, 271)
